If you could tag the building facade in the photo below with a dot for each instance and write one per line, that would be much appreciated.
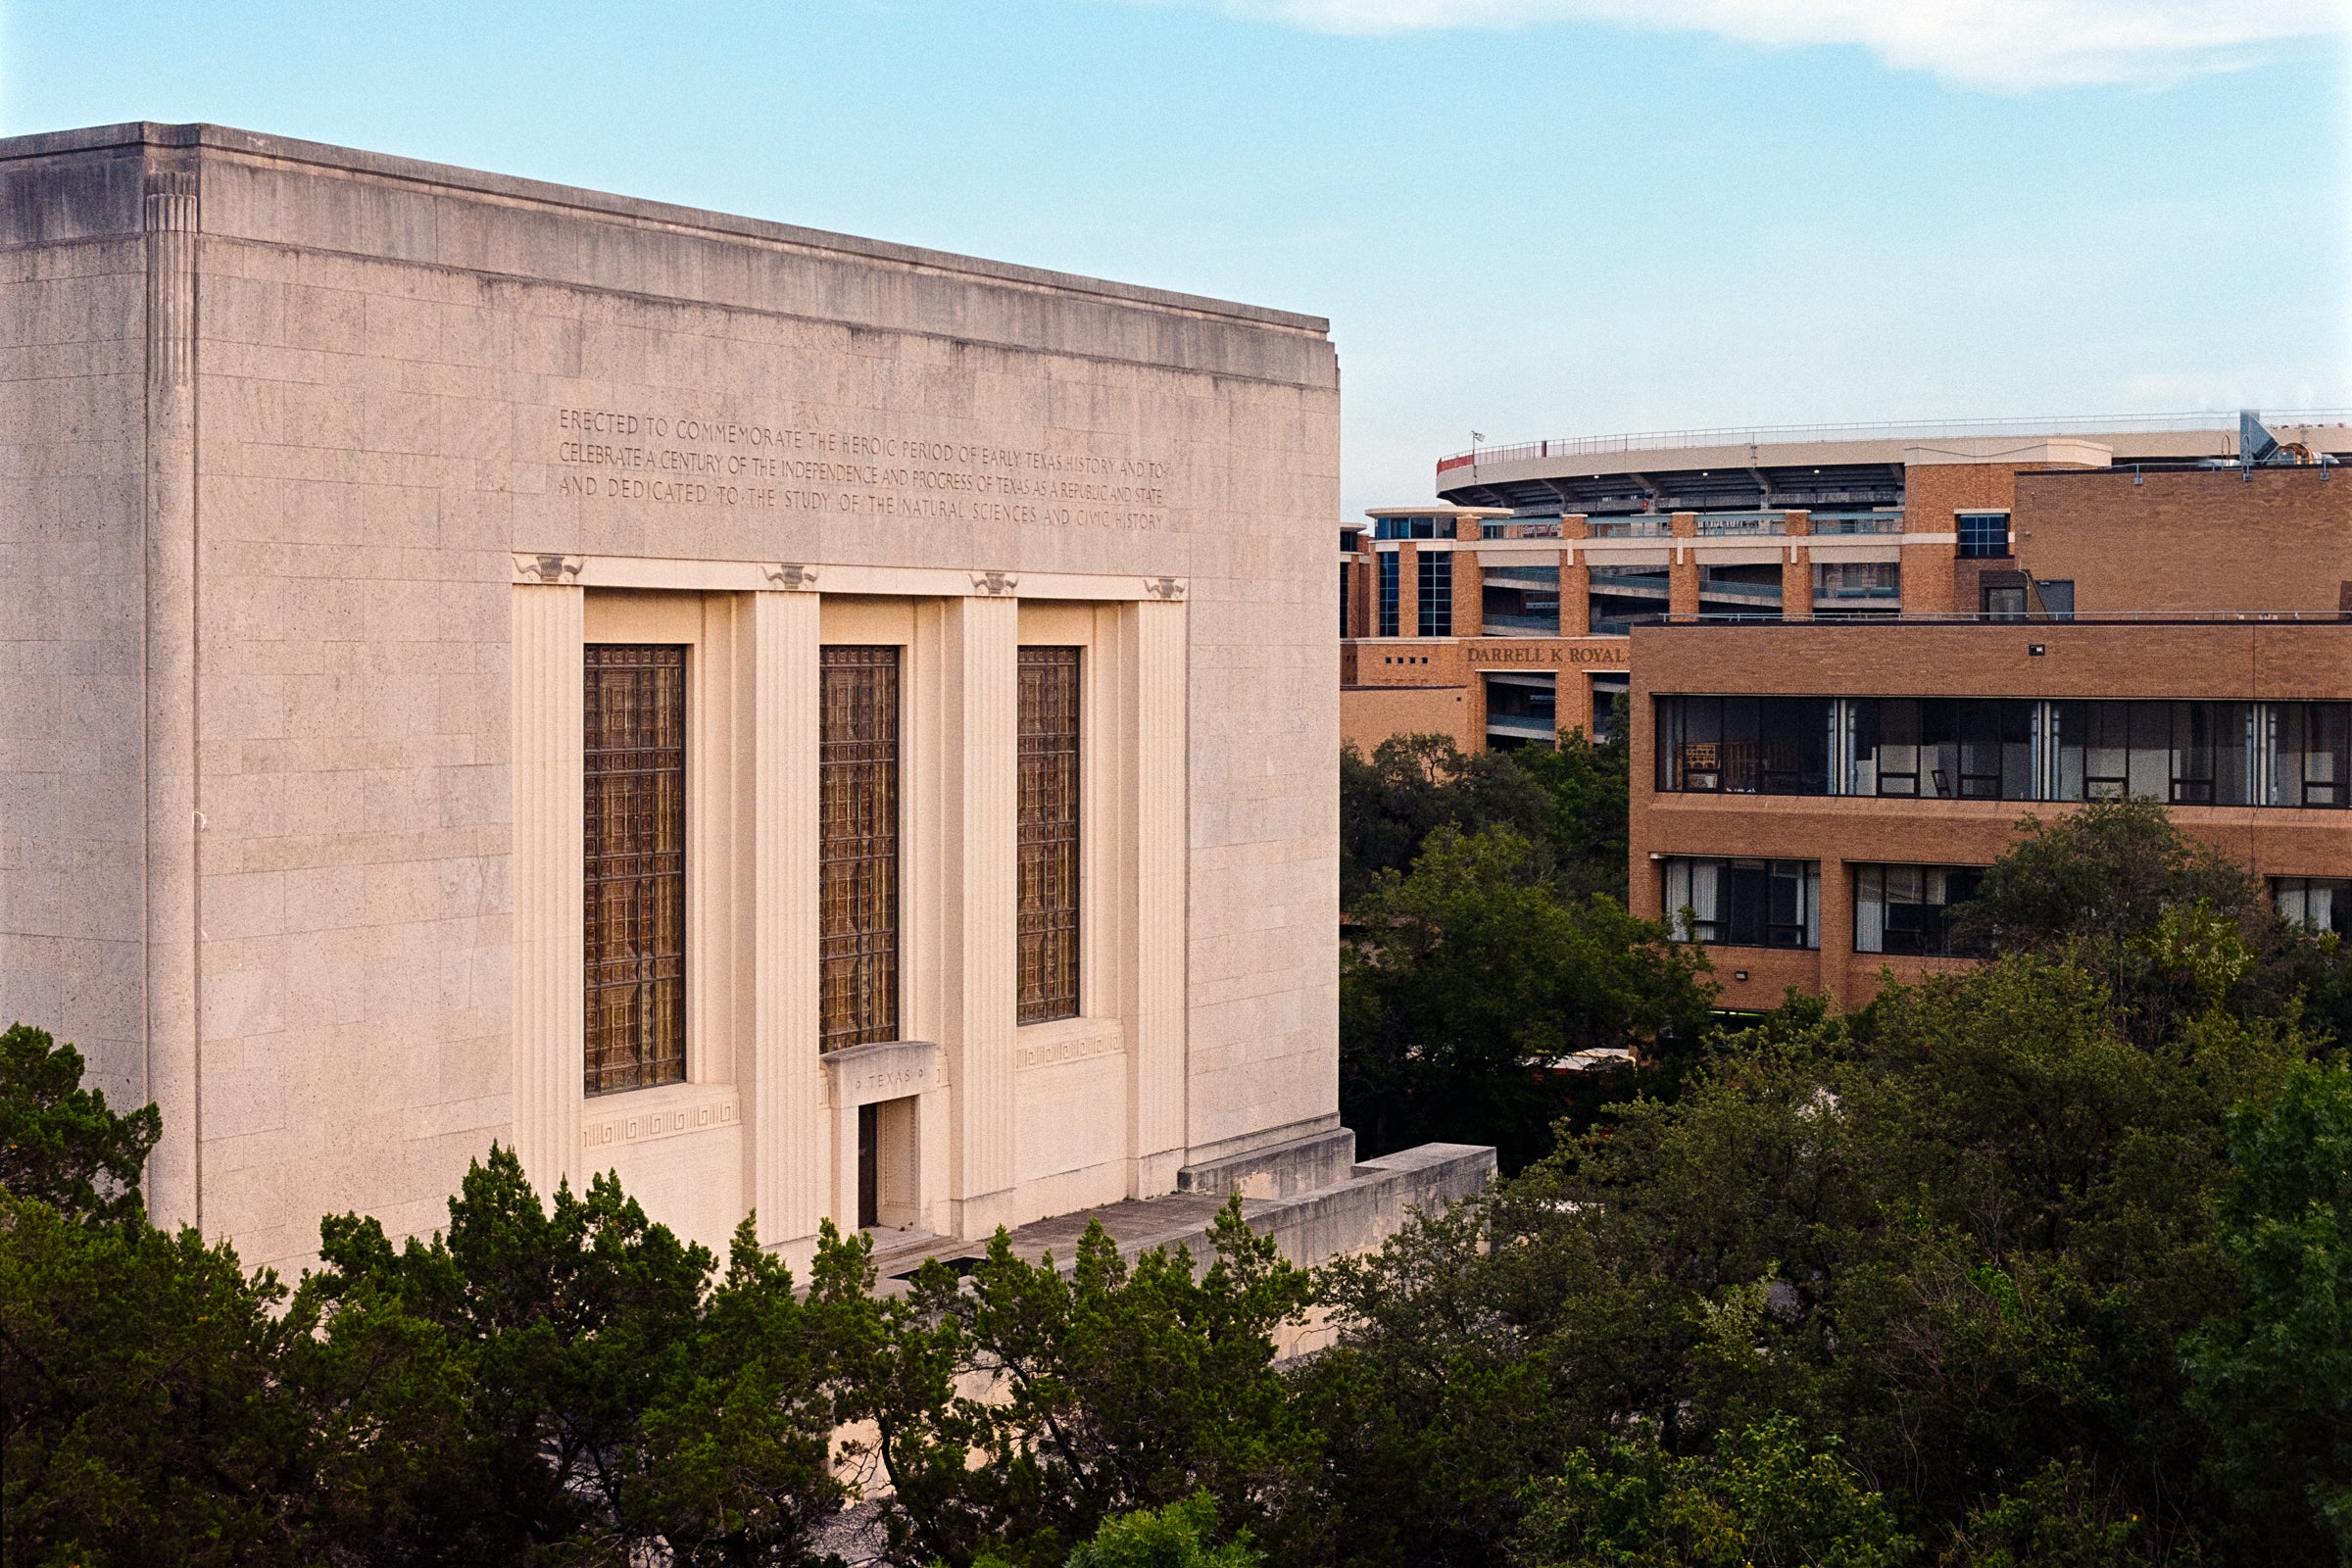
(1505, 611)
(1812, 797)
(818, 727)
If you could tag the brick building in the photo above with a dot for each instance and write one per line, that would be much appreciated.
(1813, 793)
(1504, 612)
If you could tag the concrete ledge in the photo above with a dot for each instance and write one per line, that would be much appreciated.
(1354, 1215)
(1280, 1170)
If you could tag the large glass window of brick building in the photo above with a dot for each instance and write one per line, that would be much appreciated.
(1908, 908)
(634, 915)
(1944, 748)
(858, 847)
(1437, 595)
(1744, 745)
(1744, 903)
(1047, 939)
(2200, 753)
(1984, 535)
(1389, 597)
(2321, 901)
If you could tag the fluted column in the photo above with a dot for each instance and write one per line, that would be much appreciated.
(549, 695)
(973, 790)
(788, 1137)
(1158, 706)
(174, 1185)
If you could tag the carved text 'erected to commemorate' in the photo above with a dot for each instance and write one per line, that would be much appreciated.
(797, 465)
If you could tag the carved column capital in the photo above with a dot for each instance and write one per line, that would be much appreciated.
(550, 568)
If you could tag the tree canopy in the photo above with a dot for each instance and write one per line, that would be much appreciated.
(2049, 1262)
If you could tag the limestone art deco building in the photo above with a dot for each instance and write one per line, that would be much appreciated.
(811, 725)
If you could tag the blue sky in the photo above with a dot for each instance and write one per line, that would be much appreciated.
(1533, 217)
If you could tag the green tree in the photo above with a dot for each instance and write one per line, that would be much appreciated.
(1411, 786)
(562, 1378)
(1470, 980)
(2118, 888)
(1113, 1387)
(1763, 1500)
(59, 1143)
(1176, 1535)
(2276, 1375)
(144, 1417)
(1590, 822)
(2061, 1517)
(1966, 1230)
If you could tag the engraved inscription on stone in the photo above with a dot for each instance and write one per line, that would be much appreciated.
(798, 464)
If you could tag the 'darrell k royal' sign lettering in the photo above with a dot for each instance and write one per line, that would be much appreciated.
(1611, 653)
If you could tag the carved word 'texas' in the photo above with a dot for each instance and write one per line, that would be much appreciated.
(884, 1083)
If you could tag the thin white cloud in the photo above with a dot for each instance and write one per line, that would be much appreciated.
(2005, 45)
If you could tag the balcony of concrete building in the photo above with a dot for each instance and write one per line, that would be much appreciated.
(1522, 708)
(1861, 587)
(1641, 526)
(1620, 595)
(1734, 524)
(1520, 529)
(1740, 590)
(1858, 523)
(1520, 602)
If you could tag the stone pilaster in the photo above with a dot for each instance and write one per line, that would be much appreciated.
(548, 964)
(174, 1184)
(786, 1140)
(972, 672)
(1157, 1047)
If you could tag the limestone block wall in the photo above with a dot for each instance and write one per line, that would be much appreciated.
(287, 421)
(73, 655)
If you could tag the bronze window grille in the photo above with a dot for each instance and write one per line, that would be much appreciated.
(635, 907)
(1047, 942)
(858, 847)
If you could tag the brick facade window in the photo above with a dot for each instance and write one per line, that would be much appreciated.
(634, 914)
(1436, 585)
(1389, 593)
(1907, 909)
(1744, 903)
(2324, 902)
(1984, 535)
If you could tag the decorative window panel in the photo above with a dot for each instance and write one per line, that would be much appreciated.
(1435, 602)
(1047, 942)
(858, 849)
(635, 907)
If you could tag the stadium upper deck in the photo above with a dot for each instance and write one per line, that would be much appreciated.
(1828, 466)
